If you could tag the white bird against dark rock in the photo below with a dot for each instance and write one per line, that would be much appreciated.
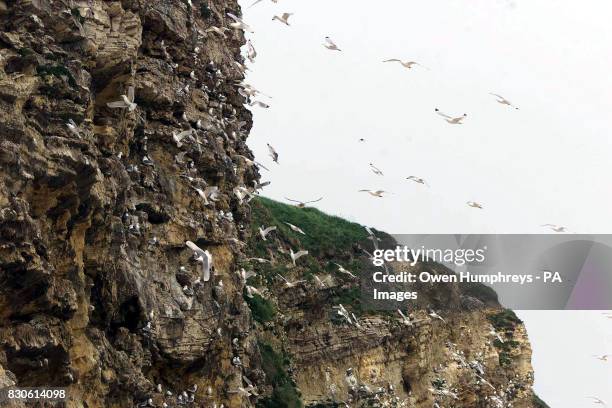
(484, 381)
(320, 282)
(220, 31)
(251, 290)
(74, 128)
(495, 334)
(126, 101)
(556, 228)
(290, 284)
(264, 232)
(452, 120)
(204, 258)
(341, 311)
(251, 52)
(330, 45)
(296, 255)
(417, 180)
(405, 64)
(283, 18)
(302, 204)
(238, 24)
(474, 204)
(259, 104)
(273, 153)
(345, 271)
(178, 137)
(295, 228)
(376, 170)
(405, 319)
(374, 193)
(434, 315)
(252, 163)
(244, 274)
(259, 260)
(502, 100)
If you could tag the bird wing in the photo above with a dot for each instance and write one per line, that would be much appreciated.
(256, 2)
(330, 42)
(314, 201)
(233, 17)
(299, 254)
(295, 201)
(116, 104)
(285, 16)
(282, 277)
(199, 251)
(444, 115)
(130, 94)
(267, 230)
(392, 60)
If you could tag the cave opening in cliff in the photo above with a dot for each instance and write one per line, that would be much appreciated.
(129, 315)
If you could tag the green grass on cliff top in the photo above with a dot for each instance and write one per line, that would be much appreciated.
(325, 234)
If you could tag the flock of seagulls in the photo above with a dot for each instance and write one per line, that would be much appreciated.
(409, 65)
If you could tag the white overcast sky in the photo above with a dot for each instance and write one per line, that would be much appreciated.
(548, 162)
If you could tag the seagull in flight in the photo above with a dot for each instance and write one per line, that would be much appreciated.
(214, 29)
(602, 358)
(302, 204)
(345, 271)
(405, 64)
(452, 120)
(126, 101)
(283, 18)
(556, 228)
(259, 1)
(376, 170)
(273, 153)
(259, 104)
(474, 204)
(597, 400)
(502, 100)
(376, 193)
(296, 255)
(204, 258)
(251, 52)
(330, 45)
(264, 232)
(238, 24)
(417, 180)
(295, 228)
(290, 284)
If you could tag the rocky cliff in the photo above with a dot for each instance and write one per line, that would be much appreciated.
(122, 137)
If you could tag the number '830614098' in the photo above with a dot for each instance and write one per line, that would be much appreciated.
(26, 394)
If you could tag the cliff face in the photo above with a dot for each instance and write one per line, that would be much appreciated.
(97, 289)
(99, 293)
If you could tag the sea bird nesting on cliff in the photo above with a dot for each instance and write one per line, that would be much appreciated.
(345, 271)
(178, 137)
(502, 100)
(452, 120)
(405, 64)
(296, 255)
(251, 290)
(204, 258)
(283, 18)
(417, 180)
(556, 228)
(238, 24)
(330, 45)
(374, 193)
(126, 101)
(302, 204)
(290, 284)
(295, 229)
(264, 232)
(376, 170)
(474, 204)
(74, 128)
